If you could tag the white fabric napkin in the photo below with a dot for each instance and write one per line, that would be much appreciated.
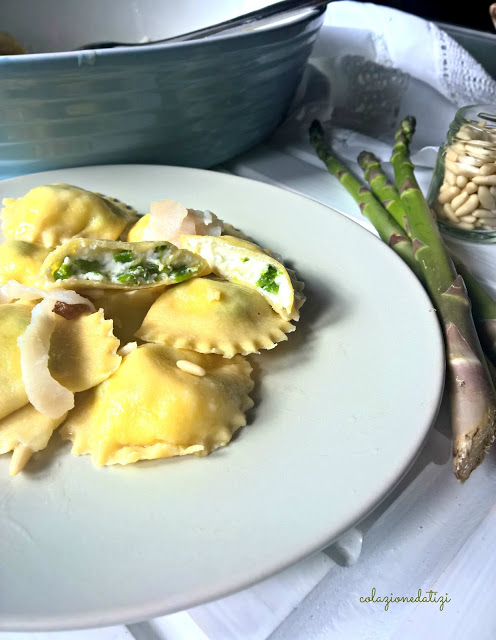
(376, 64)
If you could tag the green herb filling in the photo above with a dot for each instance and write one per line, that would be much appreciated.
(267, 280)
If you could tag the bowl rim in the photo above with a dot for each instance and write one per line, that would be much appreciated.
(308, 16)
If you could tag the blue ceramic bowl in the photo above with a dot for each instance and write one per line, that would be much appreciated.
(193, 104)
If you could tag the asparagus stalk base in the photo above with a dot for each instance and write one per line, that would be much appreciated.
(472, 393)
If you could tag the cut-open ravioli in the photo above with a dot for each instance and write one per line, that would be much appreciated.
(106, 264)
(25, 432)
(52, 214)
(152, 408)
(246, 263)
(82, 353)
(21, 261)
(214, 316)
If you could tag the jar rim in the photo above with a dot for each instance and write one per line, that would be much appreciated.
(475, 113)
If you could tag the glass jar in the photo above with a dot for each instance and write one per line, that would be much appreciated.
(462, 192)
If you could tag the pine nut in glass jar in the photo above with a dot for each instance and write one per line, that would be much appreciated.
(462, 192)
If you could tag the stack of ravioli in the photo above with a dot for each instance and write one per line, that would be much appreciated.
(130, 333)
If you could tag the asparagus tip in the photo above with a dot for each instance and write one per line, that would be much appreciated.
(406, 129)
(316, 129)
(365, 158)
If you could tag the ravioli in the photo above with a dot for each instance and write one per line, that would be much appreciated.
(82, 263)
(137, 231)
(82, 353)
(246, 263)
(152, 408)
(14, 318)
(51, 214)
(214, 316)
(25, 432)
(21, 261)
(126, 309)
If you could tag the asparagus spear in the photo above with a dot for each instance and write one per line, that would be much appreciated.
(382, 187)
(472, 394)
(389, 230)
(484, 311)
(483, 304)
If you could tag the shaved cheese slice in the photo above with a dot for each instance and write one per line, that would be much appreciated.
(166, 218)
(45, 394)
(13, 290)
(169, 220)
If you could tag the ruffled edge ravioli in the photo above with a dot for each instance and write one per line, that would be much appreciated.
(25, 432)
(185, 412)
(214, 316)
(50, 214)
(83, 353)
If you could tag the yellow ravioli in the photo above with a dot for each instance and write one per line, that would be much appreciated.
(151, 408)
(135, 233)
(14, 318)
(246, 263)
(214, 316)
(82, 353)
(24, 432)
(126, 309)
(51, 214)
(21, 261)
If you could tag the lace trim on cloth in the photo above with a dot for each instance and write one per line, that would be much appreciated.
(464, 80)
(371, 95)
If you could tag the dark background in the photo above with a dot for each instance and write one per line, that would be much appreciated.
(473, 14)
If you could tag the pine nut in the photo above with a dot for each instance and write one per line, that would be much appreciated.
(468, 219)
(467, 207)
(470, 187)
(471, 160)
(463, 134)
(461, 181)
(459, 148)
(488, 222)
(439, 210)
(487, 169)
(489, 181)
(479, 152)
(458, 200)
(460, 169)
(450, 177)
(451, 154)
(191, 367)
(483, 213)
(485, 197)
(450, 214)
(468, 226)
(493, 191)
(448, 194)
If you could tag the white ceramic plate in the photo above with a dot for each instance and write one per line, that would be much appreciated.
(342, 410)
